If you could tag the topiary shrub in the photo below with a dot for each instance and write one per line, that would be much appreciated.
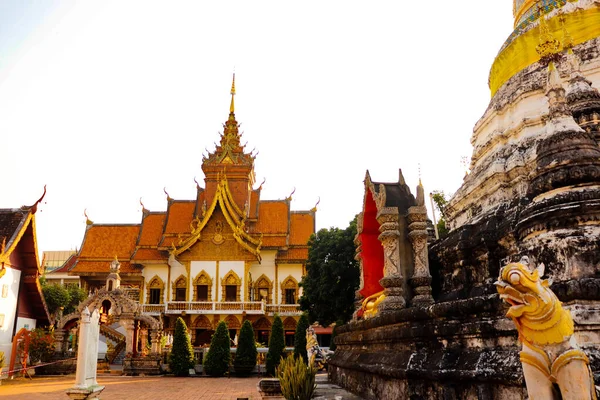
(276, 346)
(296, 379)
(181, 359)
(217, 360)
(300, 338)
(245, 355)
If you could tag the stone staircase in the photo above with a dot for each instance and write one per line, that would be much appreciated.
(117, 354)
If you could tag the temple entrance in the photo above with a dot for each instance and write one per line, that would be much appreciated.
(262, 337)
(203, 337)
(128, 335)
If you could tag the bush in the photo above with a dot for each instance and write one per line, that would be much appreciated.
(276, 346)
(217, 360)
(181, 358)
(297, 380)
(245, 355)
(300, 338)
(41, 346)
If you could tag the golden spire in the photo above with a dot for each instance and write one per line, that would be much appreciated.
(231, 107)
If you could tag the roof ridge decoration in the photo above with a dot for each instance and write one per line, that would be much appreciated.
(230, 151)
(234, 217)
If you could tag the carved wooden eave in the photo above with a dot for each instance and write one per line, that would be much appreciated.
(235, 217)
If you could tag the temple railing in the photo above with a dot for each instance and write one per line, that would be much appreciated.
(153, 309)
(226, 307)
(284, 309)
(205, 307)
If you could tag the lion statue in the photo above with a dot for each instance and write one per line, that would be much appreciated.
(550, 355)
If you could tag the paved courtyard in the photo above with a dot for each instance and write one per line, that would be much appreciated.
(139, 388)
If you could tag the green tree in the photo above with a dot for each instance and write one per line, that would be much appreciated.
(181, 359)
(56, 296)
(332, 275)
(76, 296)
(219, 355)
(300, 338)
(441, 202)
(245, 355)
(276, 346)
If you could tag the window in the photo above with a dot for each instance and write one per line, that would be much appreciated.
(230, 293)
(180, 294)
(263, 294)
(154, 296)
(289, 338)
(201, 292)
(290, 296)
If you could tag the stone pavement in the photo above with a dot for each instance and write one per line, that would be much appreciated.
(156, 387)
(138, 388)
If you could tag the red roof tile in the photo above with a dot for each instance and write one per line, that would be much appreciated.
(88, 267)
(152, 229)
(180, 215)
(102, 241)
(302, 226)
(272, 217)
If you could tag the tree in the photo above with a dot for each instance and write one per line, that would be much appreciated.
(300, 338)
(332, 275)
(76, 296)
(276, 346)
(441, 202)
(181, 359)
(56, 296)
(219, 354)
(245, 355)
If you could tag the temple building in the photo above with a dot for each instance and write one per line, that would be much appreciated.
(226, 255)
(22, 305)
(430, 323)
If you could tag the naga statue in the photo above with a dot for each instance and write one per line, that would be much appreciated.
(550, 355)
(370, 305)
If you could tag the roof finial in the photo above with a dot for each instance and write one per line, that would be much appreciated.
(88, 221)
(314, 209)
(231, 107)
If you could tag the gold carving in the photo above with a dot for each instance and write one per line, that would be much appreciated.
(218, 236)
(550, 354)
(263, 284)
(179, 283)
(231, 279)
(289, 283)
(155, 283)
(370, 305)
(203, 279)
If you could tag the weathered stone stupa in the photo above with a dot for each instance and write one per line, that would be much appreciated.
(533, 190)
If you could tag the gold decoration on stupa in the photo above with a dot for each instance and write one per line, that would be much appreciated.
(549, 47)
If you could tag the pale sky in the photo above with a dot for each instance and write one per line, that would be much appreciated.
(109, 101)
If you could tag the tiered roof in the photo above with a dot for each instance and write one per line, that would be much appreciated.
(227, 197)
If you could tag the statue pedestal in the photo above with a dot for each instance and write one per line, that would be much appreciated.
(91, 392)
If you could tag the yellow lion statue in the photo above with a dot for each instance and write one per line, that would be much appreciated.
(550, 354)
